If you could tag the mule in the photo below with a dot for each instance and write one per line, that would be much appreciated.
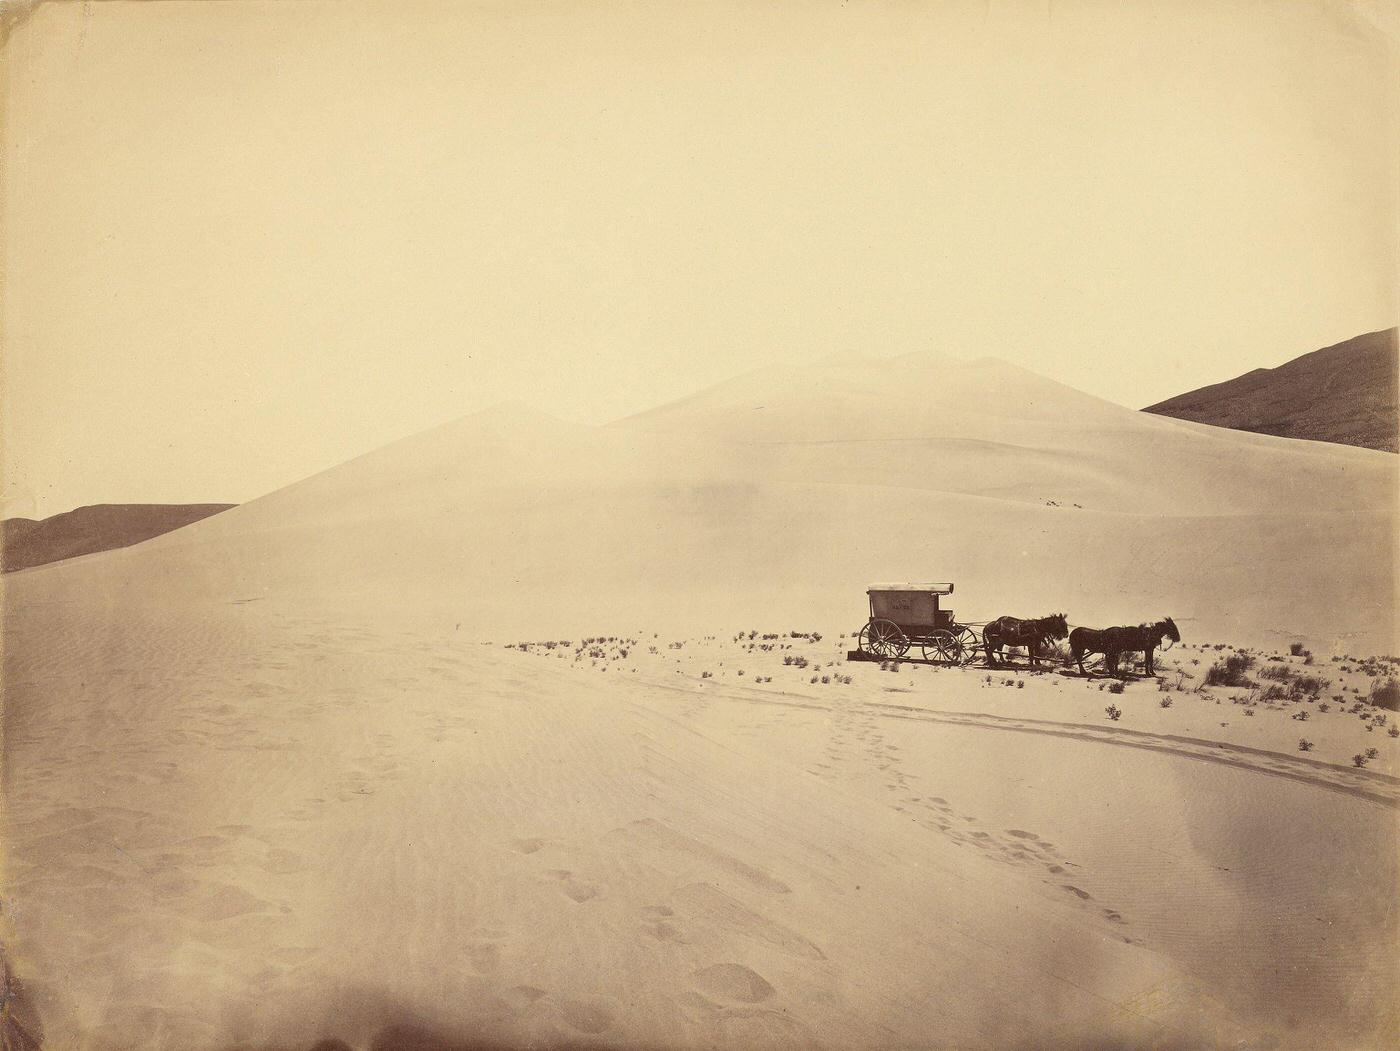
(1114, 642)
(1012, 631)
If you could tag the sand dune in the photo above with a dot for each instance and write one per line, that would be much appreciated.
(268, 784)
(1028, 494)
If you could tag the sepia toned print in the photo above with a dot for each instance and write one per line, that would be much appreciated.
(794, 525)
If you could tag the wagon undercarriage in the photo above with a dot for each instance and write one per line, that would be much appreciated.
(885, 640)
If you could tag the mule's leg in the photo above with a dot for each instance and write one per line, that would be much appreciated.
(1147, 662)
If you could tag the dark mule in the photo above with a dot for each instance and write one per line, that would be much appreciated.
(1114, 642)
(1010, 631)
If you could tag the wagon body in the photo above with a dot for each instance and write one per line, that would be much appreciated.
(906, 615)
(912, 606)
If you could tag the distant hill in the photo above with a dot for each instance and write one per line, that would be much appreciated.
(26, 542)
(1344, 393)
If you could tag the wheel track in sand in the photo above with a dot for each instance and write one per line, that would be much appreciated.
(1364, 784)
(1369, 785)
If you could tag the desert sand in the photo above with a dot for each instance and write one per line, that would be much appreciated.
(288, 775)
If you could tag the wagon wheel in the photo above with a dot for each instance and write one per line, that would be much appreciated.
(884, 639)
(943, 647)
(971, 643)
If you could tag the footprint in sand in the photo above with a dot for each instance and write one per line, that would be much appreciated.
(1082, 895)
(732, 981)
(527, 846)
(577, 889)
(1020, 834)
(664, 932)
(588, 1016)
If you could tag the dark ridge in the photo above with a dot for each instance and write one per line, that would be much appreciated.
(1346, 393)
(25, 543)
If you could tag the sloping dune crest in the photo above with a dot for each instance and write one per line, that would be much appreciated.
(780, 493)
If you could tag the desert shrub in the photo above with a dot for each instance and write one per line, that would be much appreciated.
(1302, 716)
(1165, 702)
(1249, 712)
(1371, 753)
(1394, 731)
(1275, 692)
(1309, 685)
(1230, 671)
(1114, 712)
(1386, 695)
(1358, 760)
(1296, 649)
(1116, 687)
(1280, 673)
(1304, 745)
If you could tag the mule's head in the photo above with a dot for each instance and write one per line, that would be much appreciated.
(1169, 630)
(1057, 626)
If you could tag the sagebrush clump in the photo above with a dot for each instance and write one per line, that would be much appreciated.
(1231, 671)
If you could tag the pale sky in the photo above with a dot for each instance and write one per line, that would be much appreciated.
(247, 241)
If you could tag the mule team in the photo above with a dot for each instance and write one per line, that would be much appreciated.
(1111, 642)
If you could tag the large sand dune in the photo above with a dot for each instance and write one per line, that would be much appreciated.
(781, 493)
(266, 784)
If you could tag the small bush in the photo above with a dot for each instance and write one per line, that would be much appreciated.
(1296, 649)
(1371, 753)
(1230, 671)
(1304, 745)
(1309, 685)
(1165, 702)
(1114, 712)
(1358, 760)
(1116, 687)
(1386, 695)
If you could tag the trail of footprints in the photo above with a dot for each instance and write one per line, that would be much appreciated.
(856, 738)
(730, 996)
